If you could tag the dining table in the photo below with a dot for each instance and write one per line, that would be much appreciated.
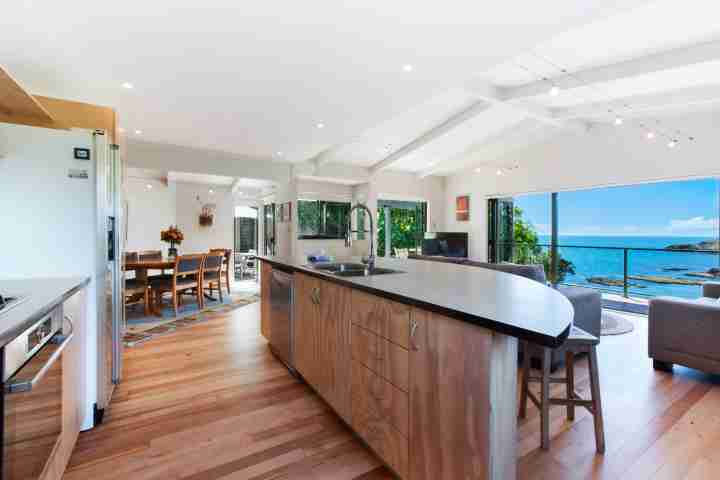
(141, 267)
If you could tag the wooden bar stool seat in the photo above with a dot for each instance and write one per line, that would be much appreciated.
(579, 341)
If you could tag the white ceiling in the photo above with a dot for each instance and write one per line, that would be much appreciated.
(256, 78)
(246, 187)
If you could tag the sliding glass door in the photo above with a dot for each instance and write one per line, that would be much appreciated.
(401, 227)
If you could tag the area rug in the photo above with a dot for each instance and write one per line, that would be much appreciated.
(615, 324)
(141, 329)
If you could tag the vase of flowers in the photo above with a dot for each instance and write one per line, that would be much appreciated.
(174, 237)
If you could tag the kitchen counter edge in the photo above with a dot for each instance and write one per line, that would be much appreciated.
(497, 326)
(22, 316)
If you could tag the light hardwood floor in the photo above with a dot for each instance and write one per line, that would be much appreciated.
(210, 402)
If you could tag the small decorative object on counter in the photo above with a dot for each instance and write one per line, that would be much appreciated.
(174, 237)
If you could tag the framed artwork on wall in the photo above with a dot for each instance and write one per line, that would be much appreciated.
(462, 208)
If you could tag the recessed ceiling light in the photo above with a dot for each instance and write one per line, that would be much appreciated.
(555, 91)
(499, 172)
(407, 68)
(478, 170)
(320, 125)
(650, 135)
(618, 121)
(211, 191)
(138, 132)
(672, 143)
(149, 186)
(279, 154)
(127, 85)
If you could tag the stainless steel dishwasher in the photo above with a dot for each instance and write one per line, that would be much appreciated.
(281, 317)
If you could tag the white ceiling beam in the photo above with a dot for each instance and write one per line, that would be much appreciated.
(510, 138)
(428, 136)
(686, 98)
(672, 59)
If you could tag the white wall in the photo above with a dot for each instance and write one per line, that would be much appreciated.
(385, 185)
(604, 156)
(48, 220)
(148, 212)
(187, 211)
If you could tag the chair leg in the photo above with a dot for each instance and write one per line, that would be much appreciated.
(597, 401)
(570, 382)
(525, 379)
(227, 279)
(200, 297)
(175, 301)
(545, 400)
(147, 302)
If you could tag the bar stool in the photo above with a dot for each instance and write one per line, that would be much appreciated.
(578, 341)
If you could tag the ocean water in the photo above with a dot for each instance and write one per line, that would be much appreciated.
(597, 262)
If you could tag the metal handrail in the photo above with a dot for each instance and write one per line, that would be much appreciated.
(625, 250)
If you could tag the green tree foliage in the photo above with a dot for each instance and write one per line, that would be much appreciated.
(404, 229)
(528, 251)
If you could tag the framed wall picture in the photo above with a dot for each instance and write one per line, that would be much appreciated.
(462, 208)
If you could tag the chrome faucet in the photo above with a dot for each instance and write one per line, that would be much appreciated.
(349, 231)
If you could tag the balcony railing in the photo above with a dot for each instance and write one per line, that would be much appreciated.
(626, 271)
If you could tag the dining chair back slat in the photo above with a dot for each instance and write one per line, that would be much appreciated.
(131, 256)
(188, 264)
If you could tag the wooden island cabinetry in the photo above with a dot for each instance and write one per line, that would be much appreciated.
(427, 393)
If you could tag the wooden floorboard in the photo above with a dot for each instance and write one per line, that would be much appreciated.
(211, 402)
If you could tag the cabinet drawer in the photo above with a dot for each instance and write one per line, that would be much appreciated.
(388, 319)
(375, 394)
(383, 357)
(383, 438)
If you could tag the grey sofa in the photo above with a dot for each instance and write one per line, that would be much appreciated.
(686, 332)
(586, 302)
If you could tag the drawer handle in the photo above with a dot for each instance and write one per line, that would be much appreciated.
(413, 330)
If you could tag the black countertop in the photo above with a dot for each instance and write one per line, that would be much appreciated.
(506, 303)
(43, 294)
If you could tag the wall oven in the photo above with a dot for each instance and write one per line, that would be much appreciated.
(32, 396)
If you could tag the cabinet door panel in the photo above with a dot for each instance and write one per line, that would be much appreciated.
(305, 328)
(388, 319)
(383, 438)
(383, 357)
(371, 392)
(333, 349)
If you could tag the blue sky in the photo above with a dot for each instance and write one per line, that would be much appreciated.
(682, 208)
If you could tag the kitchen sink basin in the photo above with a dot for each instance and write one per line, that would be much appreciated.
(352, 269)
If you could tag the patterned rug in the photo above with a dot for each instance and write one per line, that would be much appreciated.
(141, 329)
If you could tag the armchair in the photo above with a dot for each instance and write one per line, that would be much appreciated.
(685, 331)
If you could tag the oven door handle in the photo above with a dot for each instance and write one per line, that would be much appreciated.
(28, 385)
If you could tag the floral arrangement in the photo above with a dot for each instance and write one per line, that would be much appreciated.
(172, 235)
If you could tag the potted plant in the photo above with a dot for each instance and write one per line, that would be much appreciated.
(174, 237)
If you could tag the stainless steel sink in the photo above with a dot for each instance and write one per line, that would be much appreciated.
(347, 269)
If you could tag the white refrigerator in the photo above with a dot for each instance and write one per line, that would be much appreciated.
(56, 221)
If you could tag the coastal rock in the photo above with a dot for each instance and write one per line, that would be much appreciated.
(665, 280)
(611, 282)
(675, 269)
(706, 245)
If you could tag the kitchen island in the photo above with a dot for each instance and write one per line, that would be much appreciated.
(422, 364)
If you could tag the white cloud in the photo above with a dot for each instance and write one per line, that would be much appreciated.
(694, 224)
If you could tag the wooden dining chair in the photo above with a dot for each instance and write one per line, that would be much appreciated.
(227, 255)
(186, 275)
(212, 273)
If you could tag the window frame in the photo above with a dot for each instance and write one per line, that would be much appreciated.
(322, 235)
